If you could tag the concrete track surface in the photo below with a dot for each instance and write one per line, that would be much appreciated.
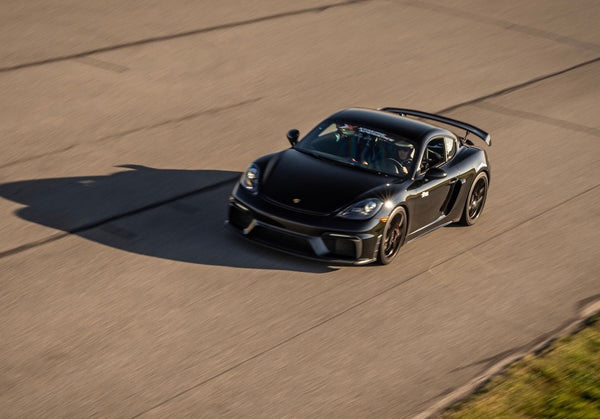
(124, 126)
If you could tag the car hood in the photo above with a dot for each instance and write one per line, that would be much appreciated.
(309, 184)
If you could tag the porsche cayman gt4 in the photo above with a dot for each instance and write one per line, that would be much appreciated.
(361, 184)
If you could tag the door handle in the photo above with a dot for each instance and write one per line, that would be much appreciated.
(457, 180)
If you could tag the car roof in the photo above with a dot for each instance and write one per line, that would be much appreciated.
(407, 127)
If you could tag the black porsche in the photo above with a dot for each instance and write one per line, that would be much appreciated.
(361, 184)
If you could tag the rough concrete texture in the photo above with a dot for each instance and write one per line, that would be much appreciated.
(122, 295)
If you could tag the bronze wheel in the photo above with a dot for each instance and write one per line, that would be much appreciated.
(393, 236)
(475, 199)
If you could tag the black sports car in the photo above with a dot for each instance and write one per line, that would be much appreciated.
(361, 184)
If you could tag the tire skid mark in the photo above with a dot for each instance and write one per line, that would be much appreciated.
(214, 110)
(336, 315)
(316, 9)
(177, 120)
(445, 110)
(102, 64)
(121, 134)
(560, 123)
(113, 229)
(360, 303)
(37, 156)
(504, 24)
(34, 244)
(519, 86)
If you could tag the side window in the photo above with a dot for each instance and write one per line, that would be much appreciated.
(435, 154)
(328, 130)
(450, 147)
(326, 141)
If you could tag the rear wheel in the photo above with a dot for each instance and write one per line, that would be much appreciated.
(393, 236)
(475, 200)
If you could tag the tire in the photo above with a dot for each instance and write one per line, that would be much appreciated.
(393, 237)
(475, 200)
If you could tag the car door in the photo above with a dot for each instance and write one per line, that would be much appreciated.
(431, 195)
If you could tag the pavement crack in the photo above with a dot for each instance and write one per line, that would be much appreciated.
(37, 156)
(109, 219)
(272, 348)
(504, 24)
(102, 64)
(125, 133)
(150, 40)
(519, 86)
(177, 120)
(33, 244)
(470, 102)
(363, 302)
(560, 123)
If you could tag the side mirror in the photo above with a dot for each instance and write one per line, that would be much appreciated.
(292, 136)
(436, 173)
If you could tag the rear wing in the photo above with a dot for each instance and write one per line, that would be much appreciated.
(433, 117)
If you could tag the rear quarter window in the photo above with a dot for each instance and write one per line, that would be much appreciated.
(451, 147)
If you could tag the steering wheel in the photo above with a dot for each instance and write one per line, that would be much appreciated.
(396, 167)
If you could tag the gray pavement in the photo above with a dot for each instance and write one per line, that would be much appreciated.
(122, 295)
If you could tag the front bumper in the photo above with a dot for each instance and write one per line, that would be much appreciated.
(307, 236)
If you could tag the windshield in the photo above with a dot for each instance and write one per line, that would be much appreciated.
(360, 146)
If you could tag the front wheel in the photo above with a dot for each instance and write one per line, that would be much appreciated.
(475, 200)
(393, 236)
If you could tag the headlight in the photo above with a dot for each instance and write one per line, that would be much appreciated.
(362, 210)
(249, 179)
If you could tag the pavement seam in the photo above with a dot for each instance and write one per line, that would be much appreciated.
(193, 32)
(560, 123)
(445, 110)
(504, 24)
(106, 220)
(102, 64)
(33, 244)
(37, 156)
(441, 111)
(420, 4)
(358, 304)
(477, 102)
(339, 314)
(519, 86)
(179, 119)
(125, 133)
(497, 369)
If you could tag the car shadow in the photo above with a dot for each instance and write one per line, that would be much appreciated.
(165, 213)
